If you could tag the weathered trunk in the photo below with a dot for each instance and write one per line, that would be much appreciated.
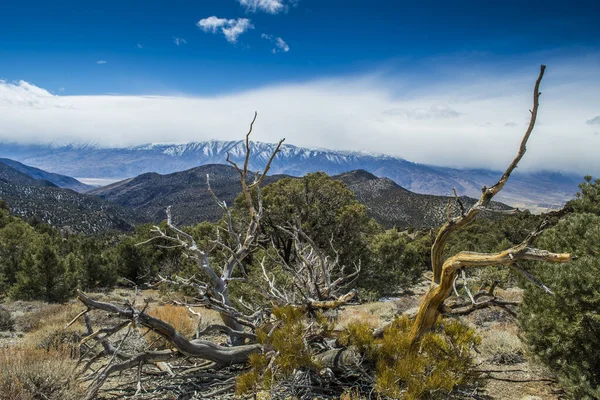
(436, 295)
(444, 272)
(195, 348)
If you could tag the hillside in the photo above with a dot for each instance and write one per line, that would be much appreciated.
(150, 194)
(58, 180)
(533, 190)
(63, 208)
(392, 205)
(11, 175)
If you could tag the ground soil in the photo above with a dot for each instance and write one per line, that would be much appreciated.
(508, 373)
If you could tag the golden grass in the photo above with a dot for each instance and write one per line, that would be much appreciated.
(374, 314)
(28, 373)
(46, 328)
(176, 316)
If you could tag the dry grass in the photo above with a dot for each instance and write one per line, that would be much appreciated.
(48, 314)
(31, 373)
(374, 314)
(7, 323)
(351, 395)
(46, 328)
(176, 316)
(500, 346)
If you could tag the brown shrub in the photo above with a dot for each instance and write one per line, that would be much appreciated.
(7, 323)
(28, 373)
(46, 328)
(176, 316)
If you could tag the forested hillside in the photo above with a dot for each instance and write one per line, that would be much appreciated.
(386, 202)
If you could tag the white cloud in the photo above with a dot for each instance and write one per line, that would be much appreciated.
(280, 44)
(343, 113)
(268, 6)
(231, 28)
(211, 24)
(23, 95)
(594, 121)
(240, 26)
(436, 111)
(101, 62)
(179, 41)
(139, 46)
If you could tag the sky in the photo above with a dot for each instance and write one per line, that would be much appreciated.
(438, 82)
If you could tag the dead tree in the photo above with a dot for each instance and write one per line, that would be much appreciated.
(214, 293)
(318, 283)
(313, 282)
(445, 271)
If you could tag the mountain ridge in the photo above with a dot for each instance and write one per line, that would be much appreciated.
(524, 189)
(62, 208)
(62, 181)
(187, 193)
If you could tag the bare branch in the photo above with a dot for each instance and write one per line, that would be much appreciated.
(437, 250)
(196, 348)
(531, 278)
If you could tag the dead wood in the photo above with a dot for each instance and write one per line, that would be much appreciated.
(445, 270)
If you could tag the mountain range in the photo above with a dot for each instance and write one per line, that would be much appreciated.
(534, 190)
(187, 191)
(123, 204)
(392, 205)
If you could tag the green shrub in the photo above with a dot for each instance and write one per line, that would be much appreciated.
(563, 331)
(443, 362)
(588, 199)
(285, 342)
(394, 264)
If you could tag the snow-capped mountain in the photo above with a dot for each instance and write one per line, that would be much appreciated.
(540, 189)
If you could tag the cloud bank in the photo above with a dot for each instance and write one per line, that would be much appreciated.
(594, 121)
(462, 122)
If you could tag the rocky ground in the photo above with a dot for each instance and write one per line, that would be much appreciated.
(501, 356)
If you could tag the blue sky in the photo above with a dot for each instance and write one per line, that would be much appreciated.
(419, 80)
(57, 44)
